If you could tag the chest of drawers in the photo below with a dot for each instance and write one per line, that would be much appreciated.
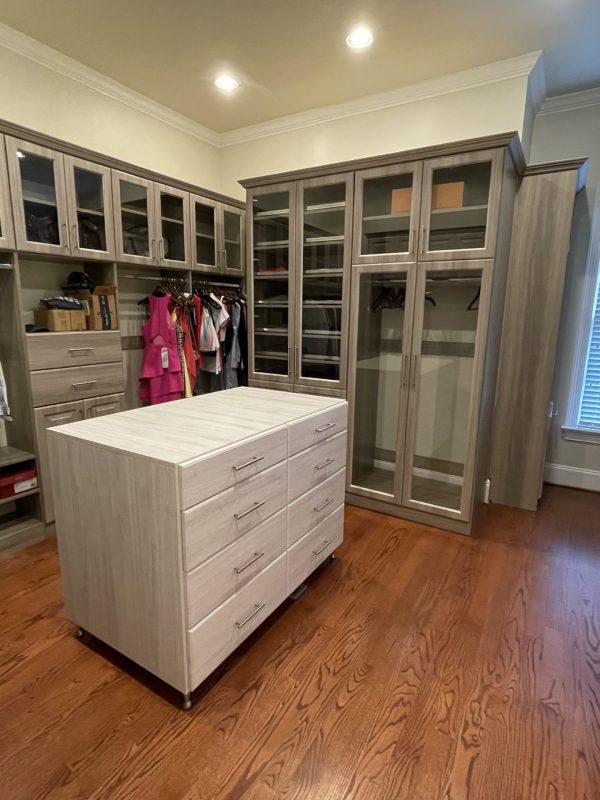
(181, 527)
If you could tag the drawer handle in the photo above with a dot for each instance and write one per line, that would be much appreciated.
(254, 460)
(257, 607)
(323, 546)
(81, 350)
(326, 463)
(237, 570)
(255, 507)
(323, 505)
(326, 427)
(83, 383)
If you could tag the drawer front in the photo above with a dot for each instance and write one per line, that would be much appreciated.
(50, 386)
(213, 582)
(216, 523)
(213, 639)
(322, 426)
(209, 476)
(312, 467)
(53, 350)
(306, 555)
(313, 507)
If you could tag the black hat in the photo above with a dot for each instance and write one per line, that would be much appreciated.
(79, 280)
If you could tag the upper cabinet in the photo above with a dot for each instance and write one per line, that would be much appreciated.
(89, 203)
(386, 213)
(7, 239)
(460, 204)
(172, 226)
(217, 236)
(39, 201)
(135, 221)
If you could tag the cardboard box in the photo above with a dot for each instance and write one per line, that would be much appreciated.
(401, 200)
(447, 195)
(100, 307)
(55, 319)
(77, 320)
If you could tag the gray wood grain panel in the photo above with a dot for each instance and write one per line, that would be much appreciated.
(540, 244)
(74, 349)
(50, 386)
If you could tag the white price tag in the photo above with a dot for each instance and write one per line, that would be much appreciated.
(25, 486)
(164, 354)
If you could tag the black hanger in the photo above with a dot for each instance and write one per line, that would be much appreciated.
(474, 305)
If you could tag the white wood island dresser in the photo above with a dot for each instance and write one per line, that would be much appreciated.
(182, 526)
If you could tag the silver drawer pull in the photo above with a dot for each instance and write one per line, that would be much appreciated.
(326, 463)
(83, 383)
(323, 546)
(323, 505)
(257, 607)
(81, 350)
(237, 570)
(326, 427)
(255, 507)
(254, 460)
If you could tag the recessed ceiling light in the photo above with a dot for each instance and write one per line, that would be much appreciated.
(227, 82)
(359, 37)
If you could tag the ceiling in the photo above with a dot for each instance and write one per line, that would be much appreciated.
(291, 55)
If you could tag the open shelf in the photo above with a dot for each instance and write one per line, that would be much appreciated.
(91, 212)
(281, 245)
(13, 455)
(320, 208)
(280, 212)
(5, 500)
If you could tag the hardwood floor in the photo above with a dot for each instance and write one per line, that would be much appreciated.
(420, 665)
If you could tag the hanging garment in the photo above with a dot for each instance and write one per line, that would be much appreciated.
(4, 407)
(189, 348)
(161, 378)
(187, 389)
(231, 348)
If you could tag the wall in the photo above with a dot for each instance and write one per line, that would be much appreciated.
(485, 110)
(563, 135)
(50, 102)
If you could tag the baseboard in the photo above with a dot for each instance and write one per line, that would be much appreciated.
(576, 477)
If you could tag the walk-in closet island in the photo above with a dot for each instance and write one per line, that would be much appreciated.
(182, 526)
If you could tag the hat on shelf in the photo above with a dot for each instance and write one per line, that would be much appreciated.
(78, 280)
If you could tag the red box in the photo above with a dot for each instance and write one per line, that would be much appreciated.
(17, 483)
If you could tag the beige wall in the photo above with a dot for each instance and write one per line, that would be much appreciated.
(481, 111)
(44, 100)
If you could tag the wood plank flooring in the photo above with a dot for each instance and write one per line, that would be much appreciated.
(420, 665)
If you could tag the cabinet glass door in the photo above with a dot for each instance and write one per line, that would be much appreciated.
(172, 214)
(325, 225)
(90, 209)
(38, 184)
(134, 217)
(6, 229)
(233, 239)
(272, 291)
(205, 244)
(460, 206)
(386, 211)
(450, 330)
(382, 304)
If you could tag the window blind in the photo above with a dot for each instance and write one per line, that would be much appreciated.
(589, 408)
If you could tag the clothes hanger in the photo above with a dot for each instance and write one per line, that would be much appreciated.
(474, 305)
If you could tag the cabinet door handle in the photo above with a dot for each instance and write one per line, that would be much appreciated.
(245, 513)
(80, 350)
(414, 242)
(423, 239)
(153, 249)
(65, 235)
(323, 546)
(405, 370)
(59, 417)
(74, 232)
(237, 570)
(161, 249)
(323, 505)
(83, 383)
(254, 460)
(257, 607)
(297, 362)
(326, 427)
(414, 374)
(225, 258)
(326, 463)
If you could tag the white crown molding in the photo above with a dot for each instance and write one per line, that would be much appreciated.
(517, 67)
(24, 45)
(537, 85)
(571, 101)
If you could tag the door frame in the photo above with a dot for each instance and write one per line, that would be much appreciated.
(414, 167)
(57, 159)
(299, 381)
(70, 162)
(496, 157)
(410, 269)
(485, 266)
(291, 188)
(163, 188)
(130, 258)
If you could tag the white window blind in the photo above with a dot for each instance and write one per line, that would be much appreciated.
(589, 406)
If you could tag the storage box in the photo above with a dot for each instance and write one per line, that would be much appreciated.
(15, 483)
(401, 200)
(100, 307)
(447, 195)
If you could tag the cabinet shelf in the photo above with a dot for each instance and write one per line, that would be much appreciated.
(322, 273)
(320, 208)
(270, 275)
(13, 455)
(315, 359)
(271, 332)
(281, 245)
(171, 219)
(322, 304)
(91, 212)
(314, 241)
(272, 303)
(39, 201)
(136, 212)
(30, 493)
(281, 212)
(271, 356)
(312, 334)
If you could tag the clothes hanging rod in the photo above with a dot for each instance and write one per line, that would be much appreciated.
(153, 278)
(6, 266)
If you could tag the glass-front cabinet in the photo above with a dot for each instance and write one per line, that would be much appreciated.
(386, 214)
(272, 295)
(7, 239)
(135, 222)
(324, 215)
(89, 202)
(38, 197)
(218, 236)
(461, 196)
(233, 237)
(172, 221)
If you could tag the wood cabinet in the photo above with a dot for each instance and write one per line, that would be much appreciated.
(172, 212)
(90, 213)
(218, 236)
(134, 218)
(7, 234)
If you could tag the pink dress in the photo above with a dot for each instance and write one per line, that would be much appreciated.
(160, 377)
